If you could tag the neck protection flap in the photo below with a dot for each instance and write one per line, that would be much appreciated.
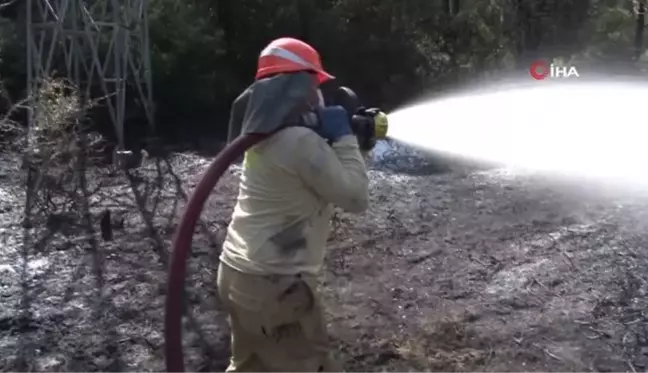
(278, 102)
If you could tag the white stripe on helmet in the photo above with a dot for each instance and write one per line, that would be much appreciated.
(286, 54)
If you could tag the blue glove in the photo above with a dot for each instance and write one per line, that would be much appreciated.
(334, 123)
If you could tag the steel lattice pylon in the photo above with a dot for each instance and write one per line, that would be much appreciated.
(101, 43)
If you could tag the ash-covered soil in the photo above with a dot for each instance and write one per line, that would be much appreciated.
(460, 271)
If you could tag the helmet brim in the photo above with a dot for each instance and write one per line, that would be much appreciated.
(323, 76)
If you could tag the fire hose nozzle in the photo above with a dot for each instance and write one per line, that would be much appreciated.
(369, 125)
(381, 124)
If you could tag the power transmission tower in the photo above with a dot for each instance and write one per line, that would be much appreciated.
(640, 28)
(103, 46)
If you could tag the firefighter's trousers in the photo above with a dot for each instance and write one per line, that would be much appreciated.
(276, 321)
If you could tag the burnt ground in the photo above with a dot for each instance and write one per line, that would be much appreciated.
(479, 270)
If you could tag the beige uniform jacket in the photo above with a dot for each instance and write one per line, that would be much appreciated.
(289, 185)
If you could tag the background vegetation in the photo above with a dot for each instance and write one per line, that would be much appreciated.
(204, 51)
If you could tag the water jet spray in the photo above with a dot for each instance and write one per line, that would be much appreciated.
(589, 130)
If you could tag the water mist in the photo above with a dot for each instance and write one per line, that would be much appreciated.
(585, 129)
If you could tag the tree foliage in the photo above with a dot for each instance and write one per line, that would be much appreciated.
(204, 51)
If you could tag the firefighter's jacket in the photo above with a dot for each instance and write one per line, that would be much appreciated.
(289, 186)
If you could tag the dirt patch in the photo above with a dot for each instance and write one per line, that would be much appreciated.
(455, 272)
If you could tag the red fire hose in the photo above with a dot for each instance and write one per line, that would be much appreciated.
(182, 247)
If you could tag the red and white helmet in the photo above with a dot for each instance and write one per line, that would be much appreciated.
(286, 55)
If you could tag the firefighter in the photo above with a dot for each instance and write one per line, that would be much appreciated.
(275, 243)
